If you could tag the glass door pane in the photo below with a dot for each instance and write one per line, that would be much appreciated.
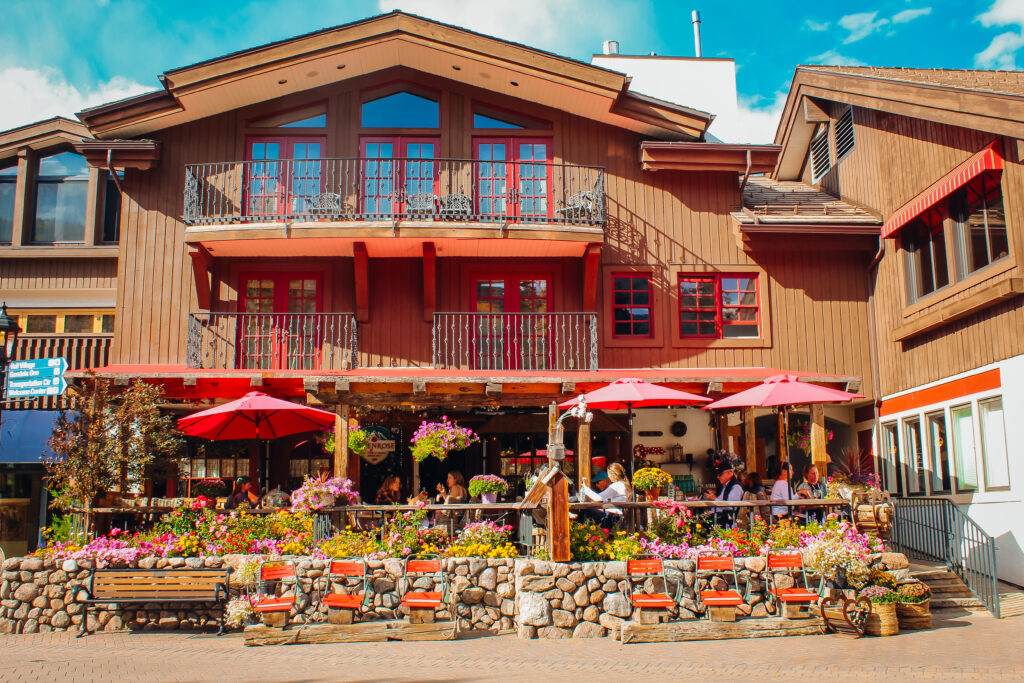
(378, 185)
(263, 185)
(492, 178)
(257, 341)
(892, 468)
(302, 328)
(305, 181)
(533, 181)
(420, 177)
(939, 460)
(489, 338)
(915, 456)
(962, 423)
(534, 346)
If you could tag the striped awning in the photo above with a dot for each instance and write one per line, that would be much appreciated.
(988, 159)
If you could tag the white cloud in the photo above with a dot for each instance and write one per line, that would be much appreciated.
(812, 25)
(910, 14)
(861, 25)
(754, 123)
(34, 94)
(833, 58)
(1001, 53)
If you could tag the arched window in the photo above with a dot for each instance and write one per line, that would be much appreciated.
(62, 182)
(401, 110)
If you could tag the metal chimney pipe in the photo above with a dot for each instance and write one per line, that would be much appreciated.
(610, 47)
(696, 32)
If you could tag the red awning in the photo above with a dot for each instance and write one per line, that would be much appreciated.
(988, 159)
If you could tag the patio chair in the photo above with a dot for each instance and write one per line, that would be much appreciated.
(796, 600)
(455, 205)
(422, 605)
(651, 607)
(581, 205)
(349, 574)
(275, 575)
(720, 605)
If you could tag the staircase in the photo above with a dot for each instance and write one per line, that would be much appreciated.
(948, 591)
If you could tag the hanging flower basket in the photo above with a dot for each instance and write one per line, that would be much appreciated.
(315, 494)
(438, 439)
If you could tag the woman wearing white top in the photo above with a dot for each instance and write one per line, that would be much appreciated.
(782, 490)
(618, 492)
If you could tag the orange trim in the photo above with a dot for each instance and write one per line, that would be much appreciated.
(965, 386)
(988, 159)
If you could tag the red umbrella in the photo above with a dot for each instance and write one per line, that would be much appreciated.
(255, 416)
(629, 393)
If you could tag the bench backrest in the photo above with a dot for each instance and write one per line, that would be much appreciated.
(717, 563)
(345, 567)
(423, 567)
(644, 566)
(141, 584)
(785, 561)
(277, 572)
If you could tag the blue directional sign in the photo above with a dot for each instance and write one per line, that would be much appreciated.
(37, 377)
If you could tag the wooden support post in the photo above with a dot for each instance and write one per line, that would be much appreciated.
(552, 419)
(583, 454)
(362, 287)
(749, 439)
(818, 441)
(202, 261)
(783, 437)
(558, 519)
(337, 615)
(341, 454)
(722, 613)
(591, 264)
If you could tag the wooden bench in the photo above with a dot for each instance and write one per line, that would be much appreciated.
(126, 586)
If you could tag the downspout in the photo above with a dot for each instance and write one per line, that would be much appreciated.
(873, 346)
(110, 170)
(746, 177)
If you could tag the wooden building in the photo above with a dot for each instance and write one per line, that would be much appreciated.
(937, 154)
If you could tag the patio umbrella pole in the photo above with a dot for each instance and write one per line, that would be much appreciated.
(632, 453)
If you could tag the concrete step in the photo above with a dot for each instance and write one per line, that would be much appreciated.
(971, 603)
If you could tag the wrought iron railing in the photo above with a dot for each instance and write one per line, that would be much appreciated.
(81, 351)
(937, 529)
(393, 190)
(272, 341)
(515, 341)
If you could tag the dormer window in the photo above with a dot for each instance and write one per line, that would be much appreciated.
(401, 110)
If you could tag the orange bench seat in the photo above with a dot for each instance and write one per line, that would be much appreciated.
(795, 595)
(422, 599)
(655, 600)
(274, 604)
(343, 600)
(721, 598)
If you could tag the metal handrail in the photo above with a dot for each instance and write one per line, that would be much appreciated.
(343, 189)
(515, 341)
(937, 529)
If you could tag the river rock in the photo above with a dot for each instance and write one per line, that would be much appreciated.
(534, 610)
(31, 564)
(60, 620)
(488, 579)
(617, 604)
(473, 595)
(565, 585)
(527, 632)
(563, 619)
(26, 592)
(536, 583)
(588, 629)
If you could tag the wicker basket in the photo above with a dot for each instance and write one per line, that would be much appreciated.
(882, 621)
(914, 616)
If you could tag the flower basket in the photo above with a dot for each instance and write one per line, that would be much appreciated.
(488, 487)
(647, 478)
(883, 620)
(914, 616)
(652, 494)
(438, 439)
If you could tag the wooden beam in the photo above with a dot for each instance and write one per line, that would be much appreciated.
(583, 455)
(419, 386)
(558, 519)
(676, 631)
(493, 389)
(568, 387)
(362, 285)
(341, 454)
(782, 434)
(429, 281)
(341, 386)
(813, 113)
(202, 260)
(818, 441)
(714, 387)
(749, 439)
(24, 198)
(256, 381)
(591, 268)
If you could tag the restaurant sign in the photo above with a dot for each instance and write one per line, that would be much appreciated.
(381, 444)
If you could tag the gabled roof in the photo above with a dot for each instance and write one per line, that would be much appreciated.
(41, 135)
(791, 202)
(392, 40)
(991, 101)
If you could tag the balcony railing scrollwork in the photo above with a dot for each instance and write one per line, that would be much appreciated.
(507, 192)
(515, 341)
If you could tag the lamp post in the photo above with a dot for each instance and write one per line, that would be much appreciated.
(9, 331)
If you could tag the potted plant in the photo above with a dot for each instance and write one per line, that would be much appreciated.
(488, 487)
(210, 488)
(914, 606)
(358, 440)
(882, 621)
(438, 439)
(315, 493)
(650, 480)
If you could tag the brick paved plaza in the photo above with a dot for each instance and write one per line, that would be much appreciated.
(972, 646)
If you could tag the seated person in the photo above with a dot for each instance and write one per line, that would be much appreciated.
(243, 496)
(782, 490)
(390, 492)
(601, 481)
(731, 489)
(812, 487)
(619, 491)
(455, 493)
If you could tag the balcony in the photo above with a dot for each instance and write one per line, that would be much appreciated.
(328, 341)
(272, 341)
(515, 341)
(393, 190)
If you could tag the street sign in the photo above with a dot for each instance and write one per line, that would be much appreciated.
(37, 377)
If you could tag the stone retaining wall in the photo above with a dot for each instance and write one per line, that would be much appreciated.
(538, 599)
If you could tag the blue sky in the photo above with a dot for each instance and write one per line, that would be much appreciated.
(57, 56)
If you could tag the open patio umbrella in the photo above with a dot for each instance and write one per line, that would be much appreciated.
(255, 416)
(782, 391)
(628, 393)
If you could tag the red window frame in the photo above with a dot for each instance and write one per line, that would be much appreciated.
(720, 293)
(511, 305)
(692, 303)
(517, 172)
(631, 304)
(277, 332)
(400, 176)
(285, 164)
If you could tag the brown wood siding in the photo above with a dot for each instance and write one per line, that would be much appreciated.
(58, 274)
(663, 219)
(896, 158)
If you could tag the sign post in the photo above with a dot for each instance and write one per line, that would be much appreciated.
(37, 377)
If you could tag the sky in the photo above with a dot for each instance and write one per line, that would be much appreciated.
(59, 56)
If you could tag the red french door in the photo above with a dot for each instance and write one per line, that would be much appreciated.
(283, 176)
(279, 322)
(513, 177)
(398, 175)
(511, 329)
